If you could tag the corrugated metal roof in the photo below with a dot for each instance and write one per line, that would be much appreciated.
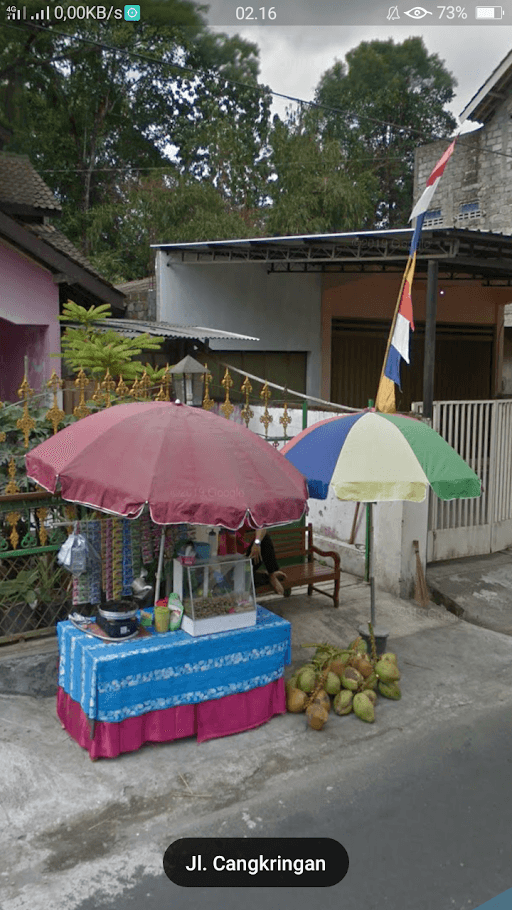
(133, 327)
(285, 240)
(461, 252)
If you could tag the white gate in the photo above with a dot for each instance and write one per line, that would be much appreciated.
(481, 432)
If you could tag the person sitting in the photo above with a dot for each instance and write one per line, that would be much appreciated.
(262, 554)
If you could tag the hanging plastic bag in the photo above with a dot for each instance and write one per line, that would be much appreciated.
(77, 555)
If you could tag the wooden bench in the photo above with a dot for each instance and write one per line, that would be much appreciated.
(295, 553)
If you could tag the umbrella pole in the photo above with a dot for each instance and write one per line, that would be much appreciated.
(160, 565)
(372, 579)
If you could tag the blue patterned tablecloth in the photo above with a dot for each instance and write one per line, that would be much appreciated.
(113, 681)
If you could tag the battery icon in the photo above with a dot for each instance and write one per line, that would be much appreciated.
(489, 12)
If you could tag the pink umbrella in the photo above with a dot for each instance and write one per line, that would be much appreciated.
(186, 464)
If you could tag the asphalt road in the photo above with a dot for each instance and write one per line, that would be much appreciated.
(426, 827)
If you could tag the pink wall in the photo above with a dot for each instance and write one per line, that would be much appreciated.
(29, 306)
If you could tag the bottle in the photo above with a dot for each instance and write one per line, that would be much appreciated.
(213, 541)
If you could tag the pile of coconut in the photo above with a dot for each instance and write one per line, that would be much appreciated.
(347, 680)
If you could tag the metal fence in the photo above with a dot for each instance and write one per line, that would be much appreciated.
(35, 593)
(481, 432)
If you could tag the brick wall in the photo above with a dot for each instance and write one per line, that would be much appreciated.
(476, 173)
(140, 299)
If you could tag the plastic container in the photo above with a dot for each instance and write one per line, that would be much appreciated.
(187, 560)
(213, 543)
(202, 550)
(381, 638)
(162, 616)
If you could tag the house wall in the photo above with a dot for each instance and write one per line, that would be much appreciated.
(373, 297)
(29, 306)
(477, 172)
(281, 310)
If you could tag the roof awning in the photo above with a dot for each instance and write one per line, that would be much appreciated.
(133, 327)
(461, 253)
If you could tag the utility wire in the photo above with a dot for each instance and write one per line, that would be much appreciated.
(260, 89)
(197, 73)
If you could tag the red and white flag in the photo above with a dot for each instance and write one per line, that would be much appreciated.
(423, 202)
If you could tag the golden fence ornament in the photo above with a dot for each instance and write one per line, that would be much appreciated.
(208, 402)
(227, 408)
(26, 423)
(135, 391)
(12, 520)
(145, 386)
(98, 396)
(43, 533)
(122, 390)
(108, 385)
(12, 486)
(285, 420)
(3, 436)
(246, 411)
(55, 415)
(266, 418)
(165, 386)
(81, 410)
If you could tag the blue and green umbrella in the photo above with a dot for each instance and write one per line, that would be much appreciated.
(374, 457)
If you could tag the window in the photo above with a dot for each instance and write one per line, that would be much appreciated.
(468, 211)
(433, 218)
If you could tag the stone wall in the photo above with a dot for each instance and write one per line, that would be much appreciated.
(478, 173)
(140, 299)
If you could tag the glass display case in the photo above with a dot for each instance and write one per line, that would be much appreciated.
(217, 594)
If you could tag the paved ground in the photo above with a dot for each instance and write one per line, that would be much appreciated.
(477, 588)
(65, 818)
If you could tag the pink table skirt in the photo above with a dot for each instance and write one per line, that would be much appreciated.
(206, 720)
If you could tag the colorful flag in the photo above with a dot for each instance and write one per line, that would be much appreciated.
(398, 345)
(425, 199)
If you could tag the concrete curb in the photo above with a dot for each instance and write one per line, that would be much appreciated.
(30, 668)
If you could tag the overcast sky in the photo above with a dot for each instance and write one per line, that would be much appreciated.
(294, 55)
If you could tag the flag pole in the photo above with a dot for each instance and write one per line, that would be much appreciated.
(395, 315)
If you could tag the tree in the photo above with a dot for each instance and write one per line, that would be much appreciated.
(387, 99)
(161, 206)
(313, 191)
(96, 351)
(95, 116)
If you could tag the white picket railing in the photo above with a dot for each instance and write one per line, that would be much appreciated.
(481, 432)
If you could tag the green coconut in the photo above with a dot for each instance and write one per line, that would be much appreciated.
(296, 701)
(363, 664)
(307, 679)
(389, 656)
(363, 707)
(371, 694)
(390, 690)
(387, 671)
(292, 682)
(321, 699)
(338, 666)
(318, 717)
(351, 679)
(342, 703)
(370, 682)
(332, 684)
(359, 645)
